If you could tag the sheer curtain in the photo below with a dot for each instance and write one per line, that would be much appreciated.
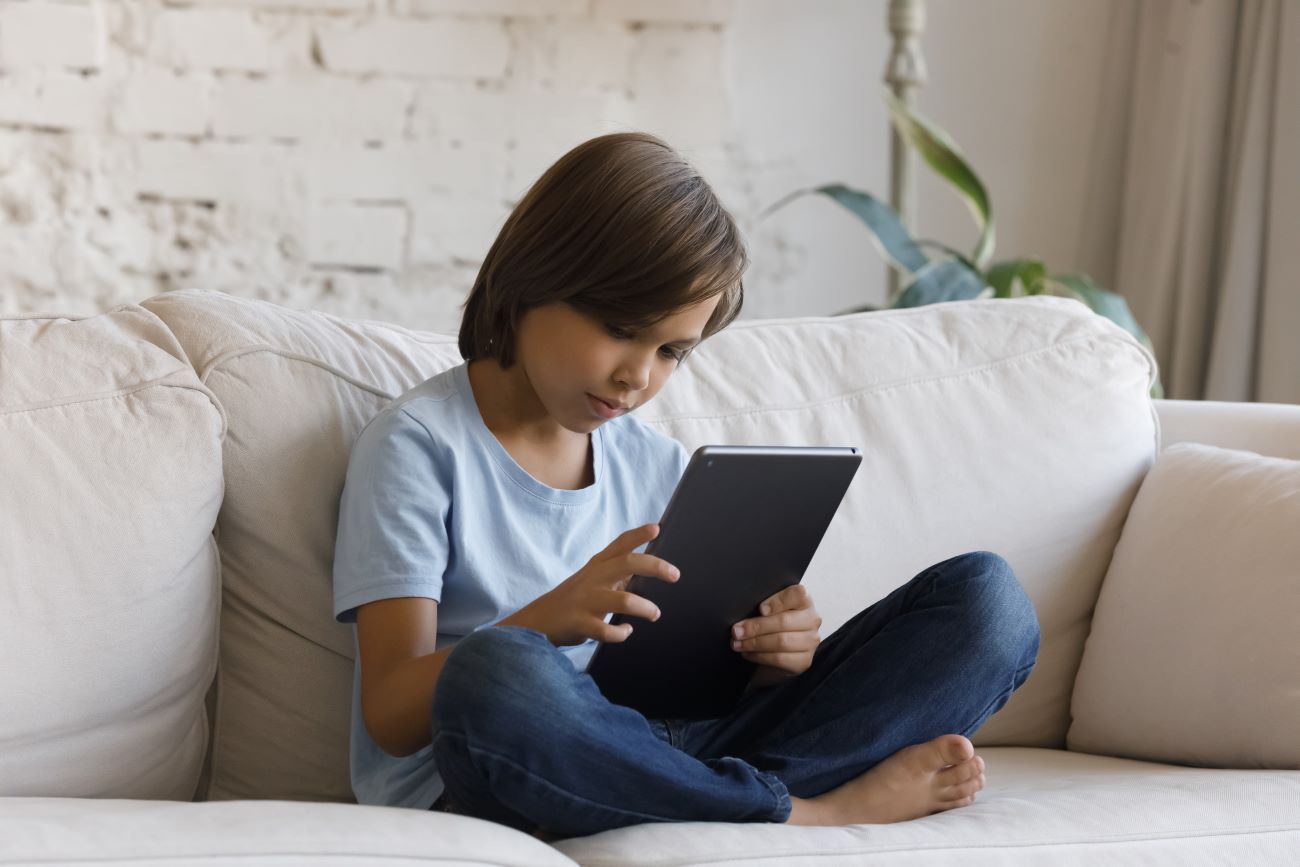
(1208, 238)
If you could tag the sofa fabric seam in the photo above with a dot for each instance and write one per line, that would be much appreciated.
(880, 388)
(213, 365)
(914, 848)
(161, 382)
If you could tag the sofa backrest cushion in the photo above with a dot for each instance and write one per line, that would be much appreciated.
(110, 482)
(1019, 426)
(297, 387)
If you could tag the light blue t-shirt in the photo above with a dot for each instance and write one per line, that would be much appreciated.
(434, 506)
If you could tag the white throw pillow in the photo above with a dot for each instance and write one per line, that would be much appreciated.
(1194, 654)
(110, 583)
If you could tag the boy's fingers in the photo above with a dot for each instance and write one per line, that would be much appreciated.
(778, 642)
(793, 597)
(621, 602)
(611, 634)
(629, 540)
(801, 620)
(651, 566)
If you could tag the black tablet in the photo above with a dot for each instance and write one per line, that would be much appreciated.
(742, 524)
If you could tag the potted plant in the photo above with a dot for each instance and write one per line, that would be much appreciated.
(931, 271)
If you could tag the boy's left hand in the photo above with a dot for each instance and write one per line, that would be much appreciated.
(785, 634)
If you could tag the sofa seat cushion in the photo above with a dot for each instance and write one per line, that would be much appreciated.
(149, 833)
(1038, 806)
(110, 482)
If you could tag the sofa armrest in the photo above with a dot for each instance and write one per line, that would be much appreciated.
(1271, 429)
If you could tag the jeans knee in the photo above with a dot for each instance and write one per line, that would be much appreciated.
(999, 604)
(489, 675)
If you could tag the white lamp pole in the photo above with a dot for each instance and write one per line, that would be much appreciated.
(906, 70)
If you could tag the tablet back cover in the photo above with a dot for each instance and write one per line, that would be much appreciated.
(743, 523)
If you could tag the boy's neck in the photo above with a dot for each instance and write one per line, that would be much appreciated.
(564, 461)
(511, 409)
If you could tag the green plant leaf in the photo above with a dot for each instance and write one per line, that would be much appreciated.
(857, 308)
(1108, 304)
(942, 154)
(890, 235)
(950, 280)
(1016, 277)
(1104, 303)
(946, 250)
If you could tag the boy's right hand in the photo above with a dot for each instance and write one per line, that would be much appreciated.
(575, 610)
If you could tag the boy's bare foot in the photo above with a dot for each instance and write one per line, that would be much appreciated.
(915, 781)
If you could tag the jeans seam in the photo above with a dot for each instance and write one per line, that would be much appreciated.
(782, 794)
(929, 574)
(983, 715)
(644, 817)
(784, 725)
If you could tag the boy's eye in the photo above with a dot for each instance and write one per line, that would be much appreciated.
(623, 334)
(669, 352)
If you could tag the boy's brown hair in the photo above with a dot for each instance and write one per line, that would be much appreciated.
(621, 228)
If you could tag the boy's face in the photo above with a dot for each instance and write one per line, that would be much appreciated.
(574, 361)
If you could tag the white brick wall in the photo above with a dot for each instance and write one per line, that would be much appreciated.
(58, 35)
(228, 39)
(52, 100)
(308, 108)
(683, 11)
(353, 156)
(164, 102)
(461, 48)
(148, 145)
(362, 236)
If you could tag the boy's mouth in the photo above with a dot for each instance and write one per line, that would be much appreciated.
(604, 408)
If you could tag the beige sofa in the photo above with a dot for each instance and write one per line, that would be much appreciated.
(175, 690)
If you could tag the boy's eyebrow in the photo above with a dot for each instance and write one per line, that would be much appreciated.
(691, 340)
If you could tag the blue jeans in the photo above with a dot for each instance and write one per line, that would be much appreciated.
(525, 739)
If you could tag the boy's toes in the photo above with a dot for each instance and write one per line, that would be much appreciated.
(963, 789)
(957, 774)
(953, 749)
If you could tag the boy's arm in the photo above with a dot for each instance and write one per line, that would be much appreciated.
(399, 671)
(400, 668)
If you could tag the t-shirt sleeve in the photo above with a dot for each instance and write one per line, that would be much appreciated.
(392, 534)
(683, 458)
(673, 469)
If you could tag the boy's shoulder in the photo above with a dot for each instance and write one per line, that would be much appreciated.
(430, 406)
(435, 394)
(635, 439)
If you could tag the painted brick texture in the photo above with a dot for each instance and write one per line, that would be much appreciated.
(351, 156)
